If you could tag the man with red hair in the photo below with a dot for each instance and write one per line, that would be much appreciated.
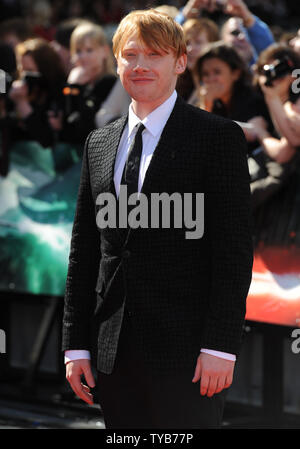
(169, 310)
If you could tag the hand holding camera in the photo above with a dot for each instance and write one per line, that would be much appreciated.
(23, 91)
(19, 91)
(31, 85)
(236, 8)
(279, 69)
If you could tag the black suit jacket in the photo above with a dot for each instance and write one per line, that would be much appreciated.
(182, 294)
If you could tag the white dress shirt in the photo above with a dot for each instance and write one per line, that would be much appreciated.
(154, 125)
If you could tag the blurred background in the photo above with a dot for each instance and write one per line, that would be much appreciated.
(58, 82)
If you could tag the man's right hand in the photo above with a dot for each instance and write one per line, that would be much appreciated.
(74, 370)
(238, 8)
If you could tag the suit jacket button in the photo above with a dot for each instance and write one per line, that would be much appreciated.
(126, 254)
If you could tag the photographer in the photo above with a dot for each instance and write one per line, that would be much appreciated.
(275, 76)
(36, 91)
(243, 30)
(257, 32)
(88, 85)
(280, 155)
(193, 9)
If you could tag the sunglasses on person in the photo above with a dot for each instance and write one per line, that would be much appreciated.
(236, 32)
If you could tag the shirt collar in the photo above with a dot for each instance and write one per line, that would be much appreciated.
(156, 120)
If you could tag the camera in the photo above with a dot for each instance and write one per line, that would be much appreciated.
(220, 4)
(278, 69)
(35, 81)
(5, 82)
(72, 102)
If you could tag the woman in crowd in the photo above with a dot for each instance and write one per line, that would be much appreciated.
(225, 87)
(89, 82)
(36, 91)
(280, 150)
(198, 33)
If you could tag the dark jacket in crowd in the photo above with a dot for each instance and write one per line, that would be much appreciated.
(81, 103)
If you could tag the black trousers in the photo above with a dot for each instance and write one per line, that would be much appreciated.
(132, 397)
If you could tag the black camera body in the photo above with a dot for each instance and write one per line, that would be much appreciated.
(277, 70)
(220, 4)
(35, 81)
(72, 102)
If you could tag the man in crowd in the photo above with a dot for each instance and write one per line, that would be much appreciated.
(169, 307)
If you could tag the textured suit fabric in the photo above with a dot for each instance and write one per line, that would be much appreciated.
(181, 294)
(133, 397)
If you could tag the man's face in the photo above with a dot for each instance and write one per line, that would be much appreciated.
(195, 43)
(149, 76)
(234, 34)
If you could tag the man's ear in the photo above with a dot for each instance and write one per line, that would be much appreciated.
(180, 65)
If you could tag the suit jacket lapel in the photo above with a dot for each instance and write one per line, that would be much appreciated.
(108, 184)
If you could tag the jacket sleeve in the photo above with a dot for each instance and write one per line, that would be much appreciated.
(84, 259)
(260, 35)
(229, 223)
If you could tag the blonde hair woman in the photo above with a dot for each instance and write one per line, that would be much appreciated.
(89, 82)
(90, 54)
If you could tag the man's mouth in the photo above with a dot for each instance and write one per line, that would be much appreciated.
(141, 80)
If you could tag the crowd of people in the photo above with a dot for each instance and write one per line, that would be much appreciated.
(61, 79)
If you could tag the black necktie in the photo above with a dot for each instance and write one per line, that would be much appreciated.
(131, 171)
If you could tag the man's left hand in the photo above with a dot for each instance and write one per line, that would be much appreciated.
(214, 373)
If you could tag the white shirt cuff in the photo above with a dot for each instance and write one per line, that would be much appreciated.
(222, 355)
(75, 354)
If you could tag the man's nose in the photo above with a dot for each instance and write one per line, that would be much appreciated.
(209, 78)
(241, 36)
(80, 57)
(141, 64)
